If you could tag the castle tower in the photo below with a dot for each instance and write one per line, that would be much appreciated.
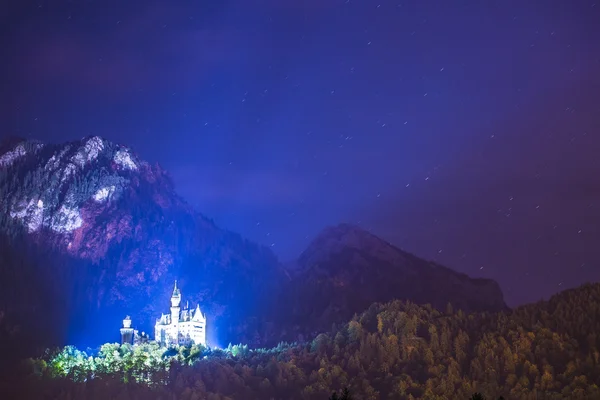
(199, 325)
(175, 300)
(175, 297)
(127, 331)
(180, 327)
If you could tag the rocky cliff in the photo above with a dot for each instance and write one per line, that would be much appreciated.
(99, 206)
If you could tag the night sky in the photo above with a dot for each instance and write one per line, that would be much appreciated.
(461, 131)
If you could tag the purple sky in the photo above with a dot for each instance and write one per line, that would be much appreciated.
(461, 131)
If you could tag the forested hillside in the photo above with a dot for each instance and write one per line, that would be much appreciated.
(396, 350)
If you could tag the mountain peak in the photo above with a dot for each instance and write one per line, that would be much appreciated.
(16, 148)
(335, 239)
(10, 142)
(61, 187)
(349, 234)
(345, 228)
(79, 153)
(346, 268)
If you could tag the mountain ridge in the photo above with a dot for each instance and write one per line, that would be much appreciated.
(352, 235)
(345, 269)
(120, 219)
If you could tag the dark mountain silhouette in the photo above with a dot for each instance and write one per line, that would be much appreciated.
(90, 233)
(345, 269)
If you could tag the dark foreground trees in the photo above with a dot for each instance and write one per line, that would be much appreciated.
(344, 395)
(479, 396)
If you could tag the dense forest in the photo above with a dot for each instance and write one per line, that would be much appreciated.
(397, 350)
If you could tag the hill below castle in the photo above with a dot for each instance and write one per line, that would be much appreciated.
(90, 232)
(396, 350)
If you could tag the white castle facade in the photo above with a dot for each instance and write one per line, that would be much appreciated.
(179, 328)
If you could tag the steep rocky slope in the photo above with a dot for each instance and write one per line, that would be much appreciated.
(119, 219)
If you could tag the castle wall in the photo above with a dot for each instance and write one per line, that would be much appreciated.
(183, 333)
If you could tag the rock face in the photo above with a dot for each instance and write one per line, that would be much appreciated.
(90, 233)
(345, 269)
(121, 221)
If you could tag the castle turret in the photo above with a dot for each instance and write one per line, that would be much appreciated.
(199, 324)
(175, 300)
(175, 297)
(127, 331)
(198, 316)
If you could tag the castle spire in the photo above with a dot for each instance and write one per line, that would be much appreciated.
(175, 300)
(176, 292)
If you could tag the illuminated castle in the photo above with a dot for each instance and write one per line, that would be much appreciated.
(181, 327)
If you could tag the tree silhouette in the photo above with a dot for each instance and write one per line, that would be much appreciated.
(345, 395)
(479, 396)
